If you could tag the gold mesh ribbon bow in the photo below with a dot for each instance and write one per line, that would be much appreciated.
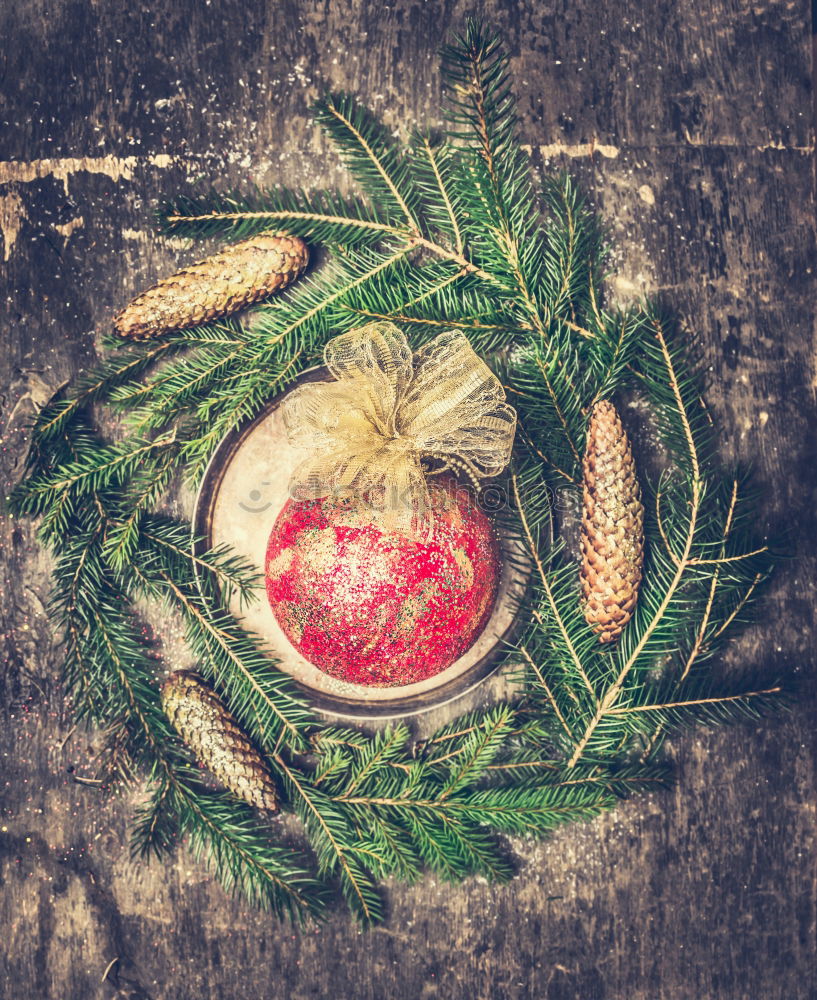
(368, 432)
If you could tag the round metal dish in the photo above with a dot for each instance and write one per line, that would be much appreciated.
(243, 490)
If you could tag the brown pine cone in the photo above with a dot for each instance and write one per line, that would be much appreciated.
(217, 286)
(612, 534)
(214, 736)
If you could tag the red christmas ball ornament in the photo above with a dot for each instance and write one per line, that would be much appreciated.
(374, 606)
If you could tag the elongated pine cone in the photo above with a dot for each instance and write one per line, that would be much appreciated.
(217, 286)
(612, 535)
(214, 736)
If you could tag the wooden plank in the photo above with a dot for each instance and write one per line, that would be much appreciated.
(700, 115)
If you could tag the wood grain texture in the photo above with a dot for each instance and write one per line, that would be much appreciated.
(701, 118)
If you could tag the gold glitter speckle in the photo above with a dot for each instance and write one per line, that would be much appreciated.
(465, 566)
(280, 564)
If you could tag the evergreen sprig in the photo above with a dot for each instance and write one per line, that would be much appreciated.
(448, 231)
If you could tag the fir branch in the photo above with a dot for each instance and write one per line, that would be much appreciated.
(312, 309)
(535, 809)
(108, 466)
(611, 350)
(709, 706)
(182, 555)
(110, 677)
(178, 385)
(434, 170)
(540, 678)
(743, 601)
(228, 837)
(78, 571)
(561, 613)
(663, 604)
(225, 409)
(573, 256)
(97, 383)
(156, 823)
(330, 833)
(494, 183)
(704, 624)
(371, 157)
(441, 294)
(146, 490)
(260, 696)
(478, 750)
(374, 754)
(322, 217)
(556, 399)
(331, 737)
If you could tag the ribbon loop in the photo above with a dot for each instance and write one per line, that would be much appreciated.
(368, 432)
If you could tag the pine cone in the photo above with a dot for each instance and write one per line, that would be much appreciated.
(214, 736)
(224, 283)
(612, 535)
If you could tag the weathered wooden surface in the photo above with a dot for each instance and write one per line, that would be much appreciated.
(690, 125)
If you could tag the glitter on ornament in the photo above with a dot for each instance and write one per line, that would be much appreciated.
(375, 606)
